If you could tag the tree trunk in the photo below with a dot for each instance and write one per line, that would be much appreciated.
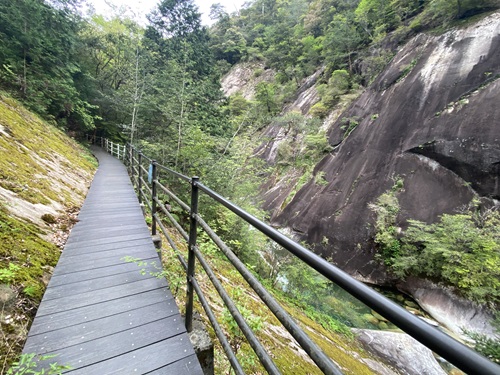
(138, 92)
(181, 120)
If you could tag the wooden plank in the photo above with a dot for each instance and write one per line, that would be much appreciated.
(54, 292)
(63, 319)
(83, 248)
(110, 233)
(188, 365)
(102, 241)
(75, 277)
(163, 333)
(100, 263)
(95, 210)
(59, 339)
(92, 225)
(116, 253)
(98, 296)
(146, 359)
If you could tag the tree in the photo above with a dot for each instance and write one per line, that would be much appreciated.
(342, 41)
(185, 96)
(176, 18)
(218, 12)
(39, 61)
(112, 53)
(376, 17)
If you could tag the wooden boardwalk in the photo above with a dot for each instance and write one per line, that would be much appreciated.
(99, 315)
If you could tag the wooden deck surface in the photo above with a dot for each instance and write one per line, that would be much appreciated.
(99, 315)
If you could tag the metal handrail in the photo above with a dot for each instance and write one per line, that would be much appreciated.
(456, 353)
(442, 344)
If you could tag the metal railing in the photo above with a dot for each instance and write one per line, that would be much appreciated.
(147, 183)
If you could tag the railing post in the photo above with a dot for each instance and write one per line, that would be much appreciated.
(131, 160)
(131, 166)
(139, 178)
(153, 197)
(191, 257)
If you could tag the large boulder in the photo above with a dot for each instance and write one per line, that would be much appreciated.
(453, 312)
(401, 351)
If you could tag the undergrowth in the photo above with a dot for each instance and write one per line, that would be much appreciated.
(332, 336)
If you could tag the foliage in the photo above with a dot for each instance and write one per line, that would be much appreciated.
(486, 346)
(39, 60)
(27, 364)
(348, 124)
(255, 323)
(7, 275)
(386, 208)
(460, 249)
(319, 110)
(338, 84)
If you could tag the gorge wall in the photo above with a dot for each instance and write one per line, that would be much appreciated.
(431, 117)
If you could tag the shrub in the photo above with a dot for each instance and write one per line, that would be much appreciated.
(461, 249)
(319, 110)
(386, 209)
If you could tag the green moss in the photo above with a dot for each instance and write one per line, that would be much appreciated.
(22, 246)
(27, 145)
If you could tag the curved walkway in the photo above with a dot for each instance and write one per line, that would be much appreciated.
(99, 314)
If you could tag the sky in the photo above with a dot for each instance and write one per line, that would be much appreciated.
(142, 7)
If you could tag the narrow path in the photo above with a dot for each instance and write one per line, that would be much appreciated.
(99, 314)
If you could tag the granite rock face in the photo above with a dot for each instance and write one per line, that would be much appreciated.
(403, 352)
(452, 312)
(432, 117)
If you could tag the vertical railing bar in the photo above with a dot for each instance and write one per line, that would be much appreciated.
(131, 161)
(252, 340)
(193, 226)
(235, 364)
(139, 177)
(153, 196)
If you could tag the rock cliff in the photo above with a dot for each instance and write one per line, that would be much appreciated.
(431, 117)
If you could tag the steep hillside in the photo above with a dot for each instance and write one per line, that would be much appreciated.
(44, 176)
